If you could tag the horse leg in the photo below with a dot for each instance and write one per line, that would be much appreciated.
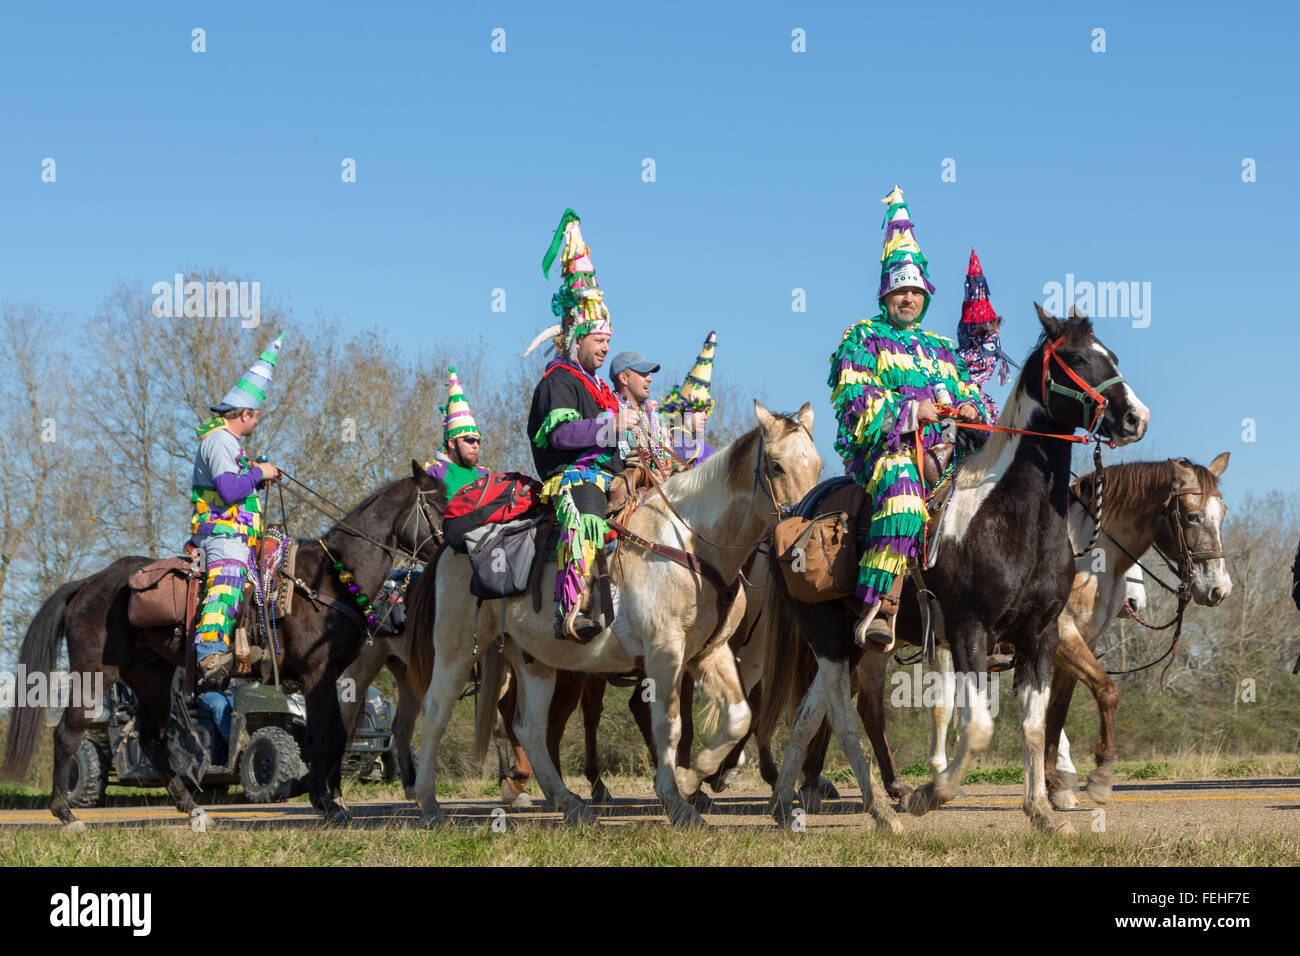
(152, 685)
(718, 780)
(1032, 682)
(67, 737)
(1106, 694)
(941, 713)
(513, 768)
(977, 723)
(593, 705)
(720, 682)
(452, 662)
(816, 787)
(326, 741)
(638, 706)
(664, 671)
(1058, 703)
(361, 673)
(811, 712)
(408, 709)
(871, 708)
(844, 722)
(536, 683)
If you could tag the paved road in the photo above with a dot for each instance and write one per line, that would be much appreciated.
(1168, 808)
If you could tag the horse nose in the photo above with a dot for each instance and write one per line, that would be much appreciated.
(1216, 596)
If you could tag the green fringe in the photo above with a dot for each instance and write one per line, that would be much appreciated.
(555, 418)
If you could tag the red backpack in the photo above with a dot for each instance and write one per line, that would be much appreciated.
(492, 499)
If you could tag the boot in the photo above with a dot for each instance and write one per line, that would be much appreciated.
(214, 671)
(875, 628)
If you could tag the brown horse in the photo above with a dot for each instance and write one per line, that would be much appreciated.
(319, 641)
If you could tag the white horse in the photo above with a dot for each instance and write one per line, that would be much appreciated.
(732, 499)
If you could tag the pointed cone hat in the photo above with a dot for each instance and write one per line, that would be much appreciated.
(976, 307)
(250, 391)
(457, 419)
(902, 264)
(693, 394)
(579, 303)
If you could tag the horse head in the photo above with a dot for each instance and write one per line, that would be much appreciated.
(1077, 381)
(788, 465)
(421, 501)
(1189, 534)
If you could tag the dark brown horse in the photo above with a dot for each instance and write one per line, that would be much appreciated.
(319, 642)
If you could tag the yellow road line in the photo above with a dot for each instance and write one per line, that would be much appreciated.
(975, 801)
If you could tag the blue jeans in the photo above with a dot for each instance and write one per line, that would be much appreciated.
(220, 707)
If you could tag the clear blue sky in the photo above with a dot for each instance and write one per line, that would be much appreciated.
(1116, 166)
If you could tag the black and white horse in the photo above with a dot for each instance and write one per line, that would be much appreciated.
(1003, 575)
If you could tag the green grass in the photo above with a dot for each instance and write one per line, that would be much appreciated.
(636, 845)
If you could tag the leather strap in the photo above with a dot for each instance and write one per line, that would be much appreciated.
(318, 599)
(726, 593)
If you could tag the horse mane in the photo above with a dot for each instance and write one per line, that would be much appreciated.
(1129, 485)
(729, 466)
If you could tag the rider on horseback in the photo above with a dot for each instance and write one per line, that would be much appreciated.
(887, 376)
(687, 407)
(647, 442)
(574, 425)
(456, 464)
(227, 522)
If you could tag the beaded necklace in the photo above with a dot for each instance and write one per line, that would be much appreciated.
(348, 580)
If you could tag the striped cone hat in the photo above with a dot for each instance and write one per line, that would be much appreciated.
(457, 419)
(250, 391)
(693, 394)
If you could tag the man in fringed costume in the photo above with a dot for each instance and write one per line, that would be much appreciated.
(687, 407)
(456, 463)
(226, 524)
(574, 424)
(887, 376)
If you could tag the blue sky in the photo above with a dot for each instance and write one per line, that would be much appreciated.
(1122, 166)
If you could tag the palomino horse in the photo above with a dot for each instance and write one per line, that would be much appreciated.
(319, 641)
(1003, 575)
(1142, 502)
(673, 610)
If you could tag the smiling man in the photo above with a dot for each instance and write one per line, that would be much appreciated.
(574, 424)
(887, 376)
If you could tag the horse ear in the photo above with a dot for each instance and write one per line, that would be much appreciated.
(418, 472)
(1053, 326)
(1184, 477)
(1076, 313)
(765, 418)
(1219, 465)
(805, 416)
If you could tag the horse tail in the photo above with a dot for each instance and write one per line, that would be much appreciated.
(782, 641)
(492, 670)
(421, 611)
(39, 653)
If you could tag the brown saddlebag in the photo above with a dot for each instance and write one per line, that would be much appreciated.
(818, 557)
(158, 594)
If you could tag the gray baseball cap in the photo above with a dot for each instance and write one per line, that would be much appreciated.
(630, 360)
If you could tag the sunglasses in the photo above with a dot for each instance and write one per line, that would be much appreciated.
(470, 441)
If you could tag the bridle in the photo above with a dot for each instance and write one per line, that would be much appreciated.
(1088, 396)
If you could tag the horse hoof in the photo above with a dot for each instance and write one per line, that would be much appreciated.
(76, 827)
(888, 823)
(1053, 827)
(826, 790)
(810, 798)
(338, 815)
(686, 818)
(579, 813)
(1099, 785)
(434, 820)
(600, 795)
(701, 802)
(1063, 799)
(782, 811)
(512, 800)
(898, 790)
(919, 802)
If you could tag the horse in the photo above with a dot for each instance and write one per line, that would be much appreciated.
(319, 641)
(1144, 505)
(1003, 575)
(386, 651)
(683, 621)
